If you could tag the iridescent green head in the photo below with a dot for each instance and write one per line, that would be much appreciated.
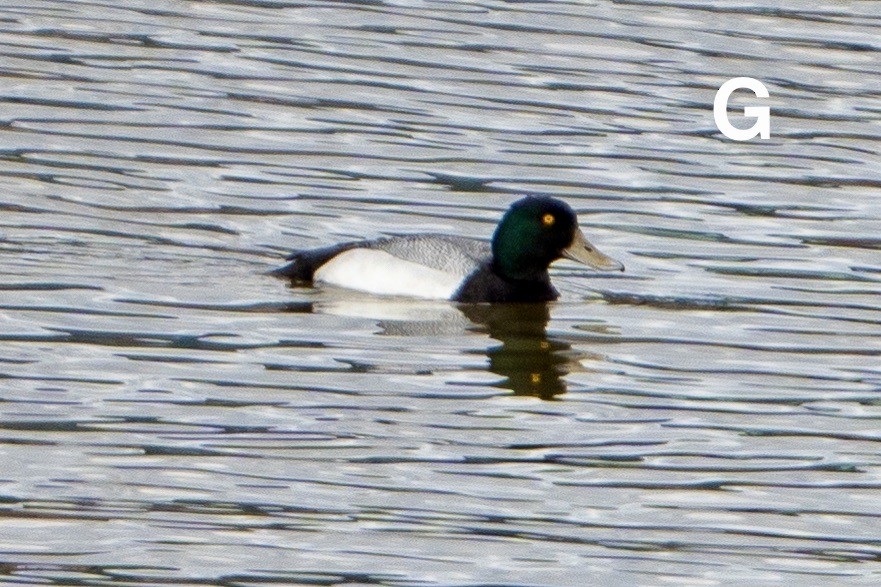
(535, 232)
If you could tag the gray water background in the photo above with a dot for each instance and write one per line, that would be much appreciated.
(169, 415)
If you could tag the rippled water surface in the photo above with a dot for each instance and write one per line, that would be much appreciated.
(170, 415)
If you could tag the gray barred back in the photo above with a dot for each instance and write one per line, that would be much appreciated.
(451, 254)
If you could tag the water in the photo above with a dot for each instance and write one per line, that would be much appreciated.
(170, 415)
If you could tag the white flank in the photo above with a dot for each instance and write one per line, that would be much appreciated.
(378, 272)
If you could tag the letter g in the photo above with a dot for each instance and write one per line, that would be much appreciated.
(762, 113)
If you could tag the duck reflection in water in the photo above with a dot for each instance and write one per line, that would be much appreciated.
(526, 358)
(530, 362)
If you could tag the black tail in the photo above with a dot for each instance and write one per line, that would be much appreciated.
(303, 264)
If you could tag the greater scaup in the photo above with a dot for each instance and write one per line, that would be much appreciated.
(533, 233)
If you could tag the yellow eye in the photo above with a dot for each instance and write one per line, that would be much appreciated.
(548, 219)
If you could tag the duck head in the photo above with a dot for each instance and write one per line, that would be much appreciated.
(535, 232)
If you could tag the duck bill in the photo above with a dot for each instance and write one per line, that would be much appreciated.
(582, 251)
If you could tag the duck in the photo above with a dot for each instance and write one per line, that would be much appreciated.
(513, 267)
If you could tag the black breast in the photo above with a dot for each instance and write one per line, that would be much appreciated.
(484, 285)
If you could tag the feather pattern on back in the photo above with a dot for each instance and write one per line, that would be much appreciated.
(450, 254)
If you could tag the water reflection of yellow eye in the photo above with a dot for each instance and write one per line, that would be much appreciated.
(548, 219)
